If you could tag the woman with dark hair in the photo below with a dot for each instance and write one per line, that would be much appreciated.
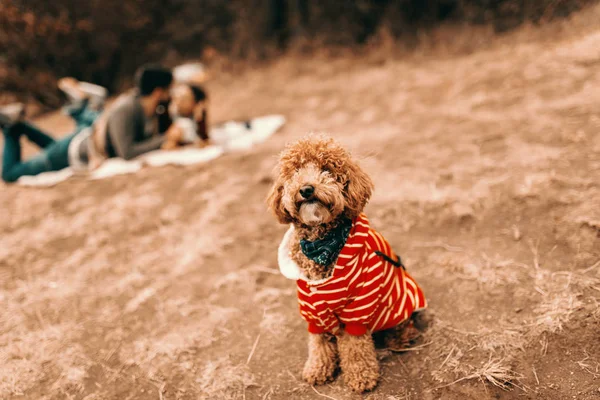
(189, 109)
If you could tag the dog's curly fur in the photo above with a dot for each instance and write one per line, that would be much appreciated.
(341, 190)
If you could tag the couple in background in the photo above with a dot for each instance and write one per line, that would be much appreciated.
(129, 127)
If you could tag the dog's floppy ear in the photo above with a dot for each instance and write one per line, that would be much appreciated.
(358, 190)
(275, 204)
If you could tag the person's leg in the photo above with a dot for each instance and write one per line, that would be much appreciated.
(12, 166)
(83, 115)
(75, 108)
(86, 118)
(58, 154)
(11, 154)
(86, 101)
(53, 157)
(10, 114)
(78, 91)
(34, 134)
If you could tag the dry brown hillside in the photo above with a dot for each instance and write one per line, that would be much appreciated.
(487, 173)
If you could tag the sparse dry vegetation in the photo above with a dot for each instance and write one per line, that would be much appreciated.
(104, 41)
(487, 174)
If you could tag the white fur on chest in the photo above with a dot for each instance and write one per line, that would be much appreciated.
(287, 266)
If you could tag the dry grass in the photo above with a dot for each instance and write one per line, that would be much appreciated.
(494, 372)
(27, 356)
(486, 174)
(559, 295)
(220, 379)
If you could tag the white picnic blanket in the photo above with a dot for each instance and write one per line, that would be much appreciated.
(229, 137)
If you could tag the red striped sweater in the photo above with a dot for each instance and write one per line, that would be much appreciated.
(365, 293)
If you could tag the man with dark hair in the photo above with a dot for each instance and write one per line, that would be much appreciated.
(150, 77)
(131, 126)
(132, 123)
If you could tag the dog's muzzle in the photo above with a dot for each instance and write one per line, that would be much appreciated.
(307, 191)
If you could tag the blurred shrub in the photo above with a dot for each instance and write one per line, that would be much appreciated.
(105, 40)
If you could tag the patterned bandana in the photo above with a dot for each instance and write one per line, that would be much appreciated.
(325, 251)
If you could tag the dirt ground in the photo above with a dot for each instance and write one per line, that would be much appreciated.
(164, 285)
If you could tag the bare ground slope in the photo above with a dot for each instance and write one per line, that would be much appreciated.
(164, 285)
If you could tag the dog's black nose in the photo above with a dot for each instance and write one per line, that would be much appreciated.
(307, 191)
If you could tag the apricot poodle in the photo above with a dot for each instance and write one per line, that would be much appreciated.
(350, 282)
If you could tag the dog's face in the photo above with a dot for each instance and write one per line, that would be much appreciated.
(318, 182)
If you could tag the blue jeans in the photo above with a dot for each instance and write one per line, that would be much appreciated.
(82, 115)
(54, 155)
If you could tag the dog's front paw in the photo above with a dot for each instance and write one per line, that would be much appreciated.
(361, 376)
(322, 360)
(318, 371)
(359, 362)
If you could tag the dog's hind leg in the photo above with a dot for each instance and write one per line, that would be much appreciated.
(406, 333)
(322, 359)
(358, 360)
(422, 319)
